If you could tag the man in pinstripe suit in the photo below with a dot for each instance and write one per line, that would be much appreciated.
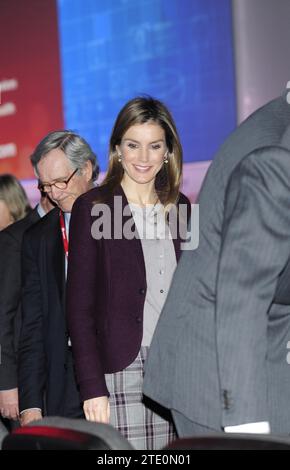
(218, 358)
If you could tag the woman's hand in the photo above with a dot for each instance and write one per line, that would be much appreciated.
(97, 409)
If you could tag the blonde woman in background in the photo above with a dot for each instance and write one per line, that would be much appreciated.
(14, 204)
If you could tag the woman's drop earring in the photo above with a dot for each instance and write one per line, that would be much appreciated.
(119, 158)
(166, 158)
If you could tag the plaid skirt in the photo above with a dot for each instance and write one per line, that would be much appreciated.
(143, 422)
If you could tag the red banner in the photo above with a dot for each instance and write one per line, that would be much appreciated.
(30, 80)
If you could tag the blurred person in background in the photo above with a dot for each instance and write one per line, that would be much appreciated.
(10, 305)
(14, 204)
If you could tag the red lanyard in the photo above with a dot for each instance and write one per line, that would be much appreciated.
(63, 233)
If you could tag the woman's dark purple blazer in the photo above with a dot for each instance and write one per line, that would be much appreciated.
(106, 290)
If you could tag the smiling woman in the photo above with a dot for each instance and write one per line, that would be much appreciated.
(118, 282)
(145, 143)
(142, 153)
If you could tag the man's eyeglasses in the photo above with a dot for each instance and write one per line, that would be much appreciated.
(46, 187)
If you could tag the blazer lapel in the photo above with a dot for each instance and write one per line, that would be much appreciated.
(135, 243)
(181, 225)
(176, 243)
(55, 252)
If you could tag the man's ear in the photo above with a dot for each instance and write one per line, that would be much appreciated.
(88, 170)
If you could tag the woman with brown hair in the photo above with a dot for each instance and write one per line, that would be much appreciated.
(122, 255)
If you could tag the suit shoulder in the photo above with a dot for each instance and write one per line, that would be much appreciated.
(267, 167)
(42, 224)
(267, 156)
(265, 126)
(15, 231)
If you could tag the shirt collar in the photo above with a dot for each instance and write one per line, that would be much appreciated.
(40, 210)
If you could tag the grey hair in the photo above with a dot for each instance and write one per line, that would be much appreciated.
(74, 146)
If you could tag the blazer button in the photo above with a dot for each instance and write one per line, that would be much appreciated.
(226, 400)
(142, 291)
(138, 319)
(65, 366)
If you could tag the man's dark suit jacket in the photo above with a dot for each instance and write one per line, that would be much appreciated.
(219, 355)
(10, 293)
(106, 290)
(43, 343)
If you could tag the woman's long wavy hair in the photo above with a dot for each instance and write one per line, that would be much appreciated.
(142, 110)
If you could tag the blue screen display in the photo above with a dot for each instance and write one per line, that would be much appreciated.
(179, 51)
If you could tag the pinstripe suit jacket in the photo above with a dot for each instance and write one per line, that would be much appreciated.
(219, 352)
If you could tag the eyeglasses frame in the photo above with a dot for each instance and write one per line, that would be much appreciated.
(41, 186)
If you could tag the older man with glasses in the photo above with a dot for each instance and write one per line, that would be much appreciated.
(66, 168)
